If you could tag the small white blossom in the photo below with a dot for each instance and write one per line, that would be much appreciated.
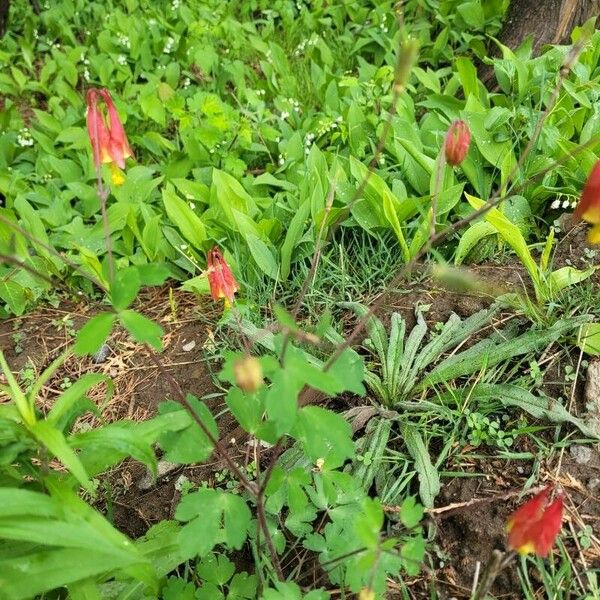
(285, 114)
(122, 59)
(124, 40)
(187, 82)
(555, 205)
(566, 204)
(86, 74)
(24, 138)
(170, 44)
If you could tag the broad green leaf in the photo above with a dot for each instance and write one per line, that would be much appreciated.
(589, 339)
(263, 256)
(512, 236)
(324, 435)
(281, 401)
(23, 404)
(293, 235)
(392, 218)
(185, 219)
(104, 446)
(55, 441)
(230, 194)
(125, 287)
(470, 238)
(191, 444)
(567, 276)
(153, 273)
(93, 334)
(411, 513)
(14, 295)
(52, 568)
(212, 516)
(247, 409)
(468, 76)
(74, 393)
(142, 329)
(545, 258)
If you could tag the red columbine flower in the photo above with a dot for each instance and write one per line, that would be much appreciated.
(534, 526)
(107, 135)
(588, 207)
(456, 144)
(221, 281)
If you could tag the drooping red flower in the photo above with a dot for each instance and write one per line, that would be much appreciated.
(119, 145)
(220, 279)
(106, 132)
(456, 144)
(97, 130)
(533, 527)
(588, 207)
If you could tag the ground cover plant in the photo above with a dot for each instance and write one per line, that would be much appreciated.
(292, 302)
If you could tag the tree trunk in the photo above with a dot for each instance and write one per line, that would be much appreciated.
(548, 21)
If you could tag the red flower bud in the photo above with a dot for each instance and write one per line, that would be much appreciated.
(221, 281)
(534, 526)
(109, 141)
(588, 207)
(456, 144)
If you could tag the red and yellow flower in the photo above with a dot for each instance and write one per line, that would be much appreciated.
(588, 207)
(533, 527)
(107, 134)
(220, 278)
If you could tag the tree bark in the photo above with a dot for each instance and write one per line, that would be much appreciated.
(548, 21)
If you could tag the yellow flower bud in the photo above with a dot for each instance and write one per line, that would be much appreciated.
(366, 594)
(248, 373)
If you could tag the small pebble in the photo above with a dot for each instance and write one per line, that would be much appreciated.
(163, 467)
(180, 482)
(581, 454)
(102, 354)
(593, 484)
(189, 346)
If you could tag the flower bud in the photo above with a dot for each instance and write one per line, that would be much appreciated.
(456, 144)
(248, 373)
